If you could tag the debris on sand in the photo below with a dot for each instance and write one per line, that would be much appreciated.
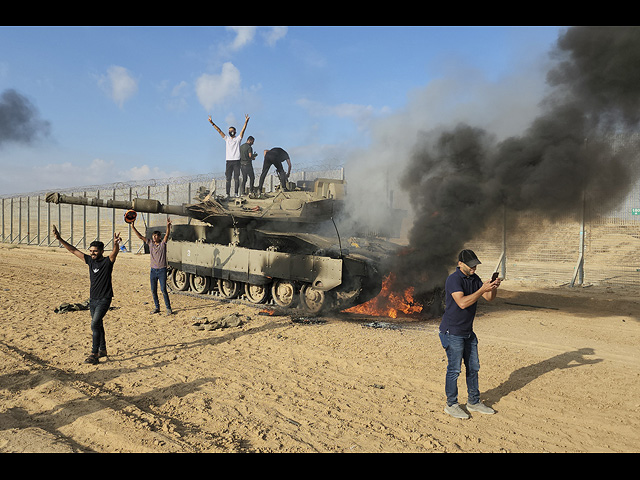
(233, 320)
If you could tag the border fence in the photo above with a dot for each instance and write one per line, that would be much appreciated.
(572, 251)
(28, 219)
(604, 250)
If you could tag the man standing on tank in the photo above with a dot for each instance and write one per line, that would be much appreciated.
(232, 154)
(246, 164)
(275, 157)
(463, 289)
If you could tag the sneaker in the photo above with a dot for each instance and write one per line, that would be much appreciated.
(102, 353)
(456, 411)
(481, 408)
(169, 312)
(157, 310)
(92, 359)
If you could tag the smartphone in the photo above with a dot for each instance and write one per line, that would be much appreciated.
(494, 277)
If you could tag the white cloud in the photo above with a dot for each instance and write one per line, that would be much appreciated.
(67, 173)
(213, 89)
(119, 84)
(179, 89)
(63, 175)
(99, 165)
(145, 172)
(274, 34)
(17, 178)
(360, 114)
(244, 36)
(177, 100)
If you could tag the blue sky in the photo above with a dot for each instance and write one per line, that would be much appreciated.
(131, 103)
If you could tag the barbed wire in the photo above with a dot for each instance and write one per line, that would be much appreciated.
(159, 182)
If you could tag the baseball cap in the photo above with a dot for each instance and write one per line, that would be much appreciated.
(469, 258)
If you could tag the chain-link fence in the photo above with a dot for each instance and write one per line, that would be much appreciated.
(601, 248)
(604, 250)
(28, 219)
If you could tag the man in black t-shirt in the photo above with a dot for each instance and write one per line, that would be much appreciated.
(463, 289)
(275, 157)
(101, 289)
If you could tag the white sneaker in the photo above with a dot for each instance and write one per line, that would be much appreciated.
(480, 408)
(456, 411)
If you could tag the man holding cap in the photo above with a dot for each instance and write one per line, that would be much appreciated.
(463, 289)
(158, 262)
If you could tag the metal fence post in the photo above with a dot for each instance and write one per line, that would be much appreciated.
(579, 270)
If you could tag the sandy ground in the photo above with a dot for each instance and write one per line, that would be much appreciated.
(561, 367)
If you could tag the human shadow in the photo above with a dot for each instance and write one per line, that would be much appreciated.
(523, 376)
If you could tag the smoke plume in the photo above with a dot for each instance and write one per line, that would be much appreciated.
(458, 178)
(19, 120)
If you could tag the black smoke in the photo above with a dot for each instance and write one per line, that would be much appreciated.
(20, 121)
(457, 179)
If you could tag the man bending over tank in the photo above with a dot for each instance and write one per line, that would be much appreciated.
(275, 157)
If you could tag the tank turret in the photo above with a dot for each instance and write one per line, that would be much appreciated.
(276, 248)
(300, 205)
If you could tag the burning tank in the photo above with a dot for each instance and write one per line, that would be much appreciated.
(283, 247)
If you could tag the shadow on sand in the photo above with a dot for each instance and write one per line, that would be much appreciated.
(522, 376)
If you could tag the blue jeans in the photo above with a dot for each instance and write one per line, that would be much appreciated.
(458, 349)
(159, 274)
(98, 309)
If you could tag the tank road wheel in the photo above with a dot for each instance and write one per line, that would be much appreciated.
(256, 293)
(200, 284)
(283, 293)
(312, 299)
(228, 288)
(180, 280)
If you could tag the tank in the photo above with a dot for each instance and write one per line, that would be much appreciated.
(281, 248)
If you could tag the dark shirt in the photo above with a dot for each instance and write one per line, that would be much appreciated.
(99, 277)
(276, 156)
(246, 154)
(456, 320)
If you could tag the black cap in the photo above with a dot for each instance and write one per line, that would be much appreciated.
(468, 258)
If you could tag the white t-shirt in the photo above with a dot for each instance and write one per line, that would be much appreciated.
(233, 147)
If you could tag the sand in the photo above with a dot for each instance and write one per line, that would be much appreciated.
(560, 366)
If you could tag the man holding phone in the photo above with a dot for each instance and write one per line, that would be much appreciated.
(463, 289)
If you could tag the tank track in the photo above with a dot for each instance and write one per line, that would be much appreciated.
(270, 304)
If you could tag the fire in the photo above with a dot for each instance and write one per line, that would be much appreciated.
(389, 303)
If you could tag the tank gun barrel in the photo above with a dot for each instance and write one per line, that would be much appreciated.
(141, 205)
(282, 210)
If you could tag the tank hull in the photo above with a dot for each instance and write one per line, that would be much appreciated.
(304, 275)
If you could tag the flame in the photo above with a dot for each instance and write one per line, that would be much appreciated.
(389, 303)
